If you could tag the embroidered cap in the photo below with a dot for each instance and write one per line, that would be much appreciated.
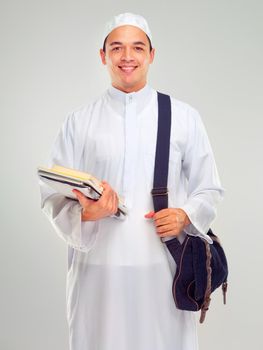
(127, 19)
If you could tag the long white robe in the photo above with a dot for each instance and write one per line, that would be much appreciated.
(120, 274)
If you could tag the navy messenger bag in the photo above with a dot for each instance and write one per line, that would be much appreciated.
(201, 267)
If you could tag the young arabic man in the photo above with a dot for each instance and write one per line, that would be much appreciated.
(120, 273)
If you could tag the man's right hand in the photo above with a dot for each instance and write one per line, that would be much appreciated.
(106, 205)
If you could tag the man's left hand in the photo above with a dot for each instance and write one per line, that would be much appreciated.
(170, 221)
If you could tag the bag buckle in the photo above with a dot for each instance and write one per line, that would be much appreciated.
(159, 191)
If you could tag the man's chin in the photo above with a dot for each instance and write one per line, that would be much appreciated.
(128, 85)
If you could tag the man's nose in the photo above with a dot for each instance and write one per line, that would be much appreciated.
(127, 54)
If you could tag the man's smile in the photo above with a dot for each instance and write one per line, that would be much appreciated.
(128, 69)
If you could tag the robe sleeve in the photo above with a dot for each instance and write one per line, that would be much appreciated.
(64, 213)
(204, 187)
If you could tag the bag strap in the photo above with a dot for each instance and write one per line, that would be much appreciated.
(161, 167)
(160, 190)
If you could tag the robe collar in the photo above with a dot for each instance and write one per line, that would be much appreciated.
(119, 99)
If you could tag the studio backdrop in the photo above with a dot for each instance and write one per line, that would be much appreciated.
(208, 54)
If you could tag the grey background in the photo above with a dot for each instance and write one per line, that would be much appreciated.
(209, 54)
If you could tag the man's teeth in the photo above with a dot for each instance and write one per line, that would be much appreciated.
(128, 69)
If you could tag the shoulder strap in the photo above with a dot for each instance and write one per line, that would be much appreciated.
(160, 190)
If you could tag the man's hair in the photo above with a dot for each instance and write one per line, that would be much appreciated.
(104, 43)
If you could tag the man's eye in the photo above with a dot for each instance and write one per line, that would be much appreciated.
(138, 48)
(117, 48)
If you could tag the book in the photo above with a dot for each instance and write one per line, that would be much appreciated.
(64, 180)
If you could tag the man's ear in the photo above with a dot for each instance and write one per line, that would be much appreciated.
(103, 56)
(152, 54)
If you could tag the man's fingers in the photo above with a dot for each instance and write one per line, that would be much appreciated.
(108, 201)
(149, 215)
(162, 214)
(166, 228)
(78, 194)
(107, 192)
(82, 198)
(164, 221)
(106, 204)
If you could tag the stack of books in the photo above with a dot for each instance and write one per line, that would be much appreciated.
(64, 180)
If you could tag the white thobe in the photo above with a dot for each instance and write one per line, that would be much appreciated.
(119, 282)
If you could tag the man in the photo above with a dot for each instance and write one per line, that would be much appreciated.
(120, 273)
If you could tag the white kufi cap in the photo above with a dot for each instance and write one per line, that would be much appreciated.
(127, 19)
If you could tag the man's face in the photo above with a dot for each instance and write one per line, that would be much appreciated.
(127, 58)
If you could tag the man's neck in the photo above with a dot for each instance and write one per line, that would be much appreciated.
(129, 90)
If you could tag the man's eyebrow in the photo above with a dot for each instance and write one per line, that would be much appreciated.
(115, 43)
(120, 43)
(139, 43)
